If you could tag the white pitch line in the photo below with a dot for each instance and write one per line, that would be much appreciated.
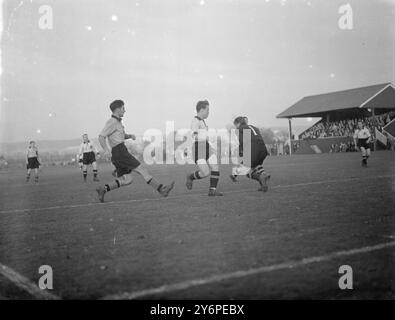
(25, 284)
(190, 194)
(243, 273)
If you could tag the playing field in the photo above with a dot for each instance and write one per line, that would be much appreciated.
(321, 212)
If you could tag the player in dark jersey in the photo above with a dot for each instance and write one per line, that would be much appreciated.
(252, 152)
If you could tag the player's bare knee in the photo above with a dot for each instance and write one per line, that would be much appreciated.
(214, 167)
(125, 180)
(143, 172)
(213, 162)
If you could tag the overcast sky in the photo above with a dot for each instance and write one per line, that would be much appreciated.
(253, 58)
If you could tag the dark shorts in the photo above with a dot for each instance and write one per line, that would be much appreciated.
(88, 158)
(32, 163)
(201, 150)
(258, 155)
(363, 143)
(123, 161)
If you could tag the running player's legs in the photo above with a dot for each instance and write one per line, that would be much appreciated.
(207, 163)
(367, 155)
(214, 173)
(364, 155)
(256, 172)
(84, 171)
(155, 184)
(204, 169)
(124, 163)
(124, 168)
(257, 163)
(36, 166)
(124, 180)
(32, 164)
(200, 152)
(28, 174)
(202, 172)
(85, 163)
(89, 159)
(121, 181)
(94, 166)
(259, 173)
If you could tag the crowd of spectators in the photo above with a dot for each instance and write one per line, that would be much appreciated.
(346, 128)
(343, 147)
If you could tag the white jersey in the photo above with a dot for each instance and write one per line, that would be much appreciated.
(32, 152)
(87, 147)
(362, 133)
(199, 129)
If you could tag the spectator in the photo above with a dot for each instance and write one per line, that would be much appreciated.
(346, 128)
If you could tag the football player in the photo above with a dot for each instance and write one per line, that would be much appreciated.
(203, 153)
(88, 154)
(362, 139)
(250, 164)
(123, 161)
(32, 161)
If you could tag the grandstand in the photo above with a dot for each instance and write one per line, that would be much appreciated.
(339, 112)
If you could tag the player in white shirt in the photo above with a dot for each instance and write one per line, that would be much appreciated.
(362, 139)
(88, 154)
(32, 161)
(204, 155)
(113, 135)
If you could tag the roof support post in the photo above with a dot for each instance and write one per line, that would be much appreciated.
(290, 135)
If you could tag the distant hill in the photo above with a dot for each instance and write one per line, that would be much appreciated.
(71, 146)
(61, 146)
